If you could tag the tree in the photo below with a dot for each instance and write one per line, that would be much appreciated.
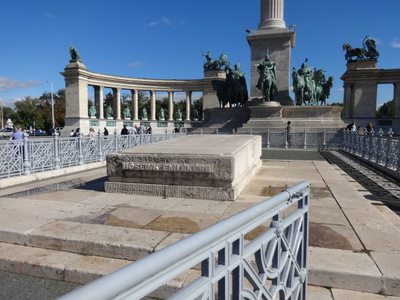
(28, 114)
(386, 110)
(59, 108)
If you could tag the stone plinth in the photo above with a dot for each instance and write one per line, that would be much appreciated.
(215, 167)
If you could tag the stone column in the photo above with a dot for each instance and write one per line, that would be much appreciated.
(153, 105)
(99, 101)
(347, 101)
(170, 106)
(271, 14)
(117, 103)
(135, 104)
(188, 104)
(396, 100)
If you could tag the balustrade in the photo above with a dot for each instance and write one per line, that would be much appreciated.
(35, 155)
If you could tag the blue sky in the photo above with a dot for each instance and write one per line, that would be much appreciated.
(164, 39)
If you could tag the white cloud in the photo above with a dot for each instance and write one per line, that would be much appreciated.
(395, 42)
(154, 23)
(135, 64)
(7, 84)
(164, 20)
(340, 90)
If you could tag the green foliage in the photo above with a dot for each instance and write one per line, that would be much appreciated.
(28, 113)
(337, 104)
(386, 110)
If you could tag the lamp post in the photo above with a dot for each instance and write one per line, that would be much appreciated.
(52, 105)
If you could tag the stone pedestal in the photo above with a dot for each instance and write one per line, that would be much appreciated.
(279, 44)
(188, 167)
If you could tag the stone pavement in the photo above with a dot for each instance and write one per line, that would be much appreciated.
(77, 233)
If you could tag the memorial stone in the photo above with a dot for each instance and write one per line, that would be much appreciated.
(188, 167)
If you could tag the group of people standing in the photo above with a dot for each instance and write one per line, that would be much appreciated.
(136, 129)
(352, 127)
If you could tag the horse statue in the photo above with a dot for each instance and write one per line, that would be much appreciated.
(236, 87)
(310, 85)
(267, 83)
(222, 61)
(370, 48)
(326, 90)
(233, 90)
(359, 53)
(298, 87)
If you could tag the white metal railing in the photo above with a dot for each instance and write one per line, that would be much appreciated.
(33, 155)
(298, 140)
(382, 151)
(259, 253)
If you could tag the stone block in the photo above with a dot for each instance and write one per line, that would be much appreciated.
(215, 167)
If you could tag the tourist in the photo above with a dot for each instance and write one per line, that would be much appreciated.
(124, 131)
(77, 132)
(71, 134)
(18, 136)
(289, 131)
(105, 131)
(149, 130)
(352, 127)
(91, 132)
(369, 128)
(141, 129)
(133, 130)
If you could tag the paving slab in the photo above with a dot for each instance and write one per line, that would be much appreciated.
(343, 269)
(346, 223)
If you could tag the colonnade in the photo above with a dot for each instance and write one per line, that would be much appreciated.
(134, 109)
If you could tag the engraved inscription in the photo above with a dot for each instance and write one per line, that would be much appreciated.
(175, 167)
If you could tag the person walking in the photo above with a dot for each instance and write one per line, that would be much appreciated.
(105, 131)
(288, 132)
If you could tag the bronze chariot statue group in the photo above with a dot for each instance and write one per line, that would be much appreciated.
(368, 51)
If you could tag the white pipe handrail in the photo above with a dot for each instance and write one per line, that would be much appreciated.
(145, 275)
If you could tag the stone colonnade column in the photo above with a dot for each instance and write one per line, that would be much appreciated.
(135, 104)
(117, 103)
(99, 101)
(188, 104)
(272, 14)
(153, 105)
(396, 100)
(170, 106)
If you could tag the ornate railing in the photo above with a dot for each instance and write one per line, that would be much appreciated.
(259, 253)
(298, 140)
(382, 151)
(33, 155)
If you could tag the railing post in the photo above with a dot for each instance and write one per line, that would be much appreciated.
(56, 152)
(286, 139)
(80, 150)
(25, 155)
(130, 139)
(324, 139)
(216, 131)
(115, 140)
(141, 139)
(388, 151)
(305, 138)
(100, 149)
(268, 141)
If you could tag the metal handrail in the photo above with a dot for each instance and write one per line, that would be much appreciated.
(225, 240)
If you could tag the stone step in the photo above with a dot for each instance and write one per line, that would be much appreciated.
(75, 268)
(93, 239)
